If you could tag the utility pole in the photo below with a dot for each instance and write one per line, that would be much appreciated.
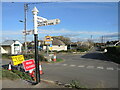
(102, 39)
(91, 37)
(25, 24)
(35, 12)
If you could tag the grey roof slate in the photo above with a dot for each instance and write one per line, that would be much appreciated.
(57, 42)
(7, 43)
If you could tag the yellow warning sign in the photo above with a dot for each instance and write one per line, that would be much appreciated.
(17, 59)
(50, 48)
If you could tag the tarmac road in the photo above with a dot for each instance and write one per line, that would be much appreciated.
(92, 70)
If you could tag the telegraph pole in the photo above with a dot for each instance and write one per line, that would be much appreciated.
(25, 23)
(35, 12)
(102, 39)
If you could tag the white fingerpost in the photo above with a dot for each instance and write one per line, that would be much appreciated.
(35, 12)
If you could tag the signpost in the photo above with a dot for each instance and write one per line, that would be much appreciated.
(49, 22)
(48, 41)
(50, 47)
(17, 59)
(38, 21)
(29, 65)
(35, 12)
(28, 32)
(41, 19)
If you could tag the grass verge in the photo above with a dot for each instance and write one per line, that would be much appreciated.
(6, 74)
(57, 60)
(14, 74)
(23, 75)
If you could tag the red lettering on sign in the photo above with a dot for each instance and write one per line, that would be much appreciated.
(29, 64)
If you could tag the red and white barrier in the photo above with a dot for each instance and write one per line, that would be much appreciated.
(9, 67)
(54, 57)
(40, 69)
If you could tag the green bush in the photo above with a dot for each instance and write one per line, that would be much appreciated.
(41, 58)
(32, 56)
(83, 48)
(113, 50)
(113, 53)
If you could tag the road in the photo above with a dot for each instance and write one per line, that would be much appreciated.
(92, 70)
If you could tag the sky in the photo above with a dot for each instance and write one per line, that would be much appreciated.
(80, 21)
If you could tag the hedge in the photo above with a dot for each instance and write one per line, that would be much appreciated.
(30, 56)
(113, 50)
(26, 56)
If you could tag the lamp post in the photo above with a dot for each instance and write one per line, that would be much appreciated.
(35, 12)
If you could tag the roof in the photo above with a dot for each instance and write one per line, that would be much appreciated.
(8, 42)
(57, 42)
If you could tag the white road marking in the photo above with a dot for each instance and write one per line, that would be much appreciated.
(72, 65)
(100, 67)
(64, 64)
(109, 68)
(81, 66)
(90, 67)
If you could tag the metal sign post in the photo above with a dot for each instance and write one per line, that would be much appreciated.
(35, 12)
(47, 42)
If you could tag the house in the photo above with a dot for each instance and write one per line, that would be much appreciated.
(57, 45)
(11, 47)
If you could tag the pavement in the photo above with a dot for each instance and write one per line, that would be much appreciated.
(6, 83)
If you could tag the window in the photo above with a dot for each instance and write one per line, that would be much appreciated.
(16, 45)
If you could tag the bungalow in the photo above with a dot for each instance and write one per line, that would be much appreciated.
(11, 47)
(57, 45)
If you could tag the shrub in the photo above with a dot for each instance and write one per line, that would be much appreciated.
(30, 56)
(113, 53)
(114, 50)
(42, 58)
(83, 48)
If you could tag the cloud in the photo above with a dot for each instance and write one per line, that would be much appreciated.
(66, 32)
(115, 34)
(81, 35)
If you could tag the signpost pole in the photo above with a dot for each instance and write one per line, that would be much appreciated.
(47, 49)
(35, 12)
